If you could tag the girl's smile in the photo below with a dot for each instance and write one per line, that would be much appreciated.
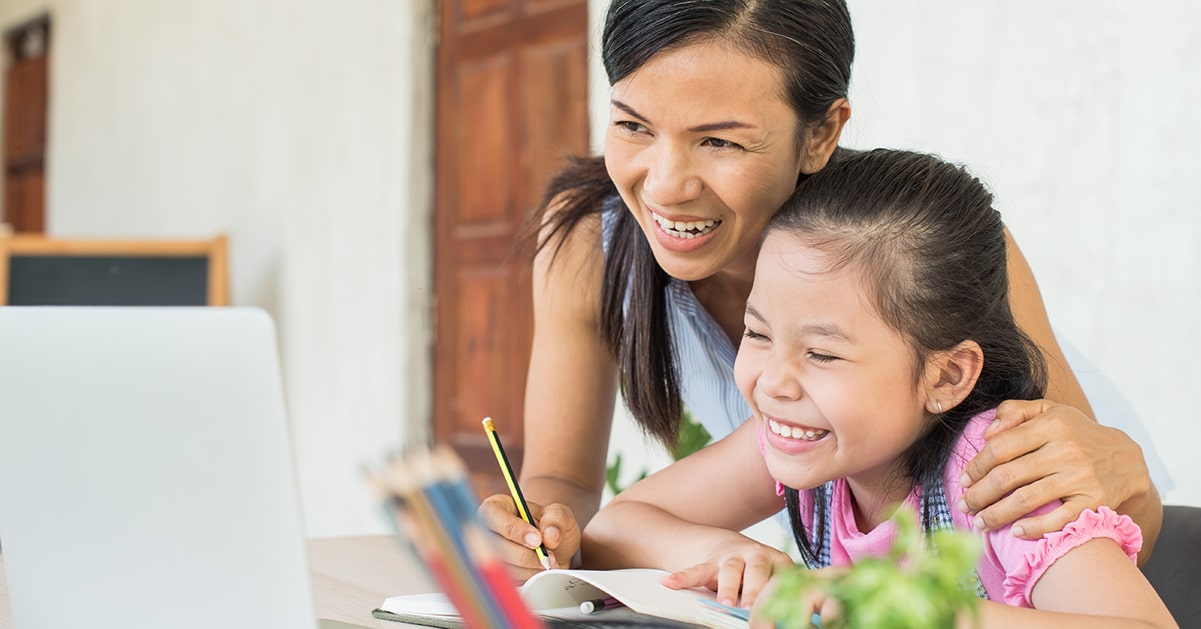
(791, 438)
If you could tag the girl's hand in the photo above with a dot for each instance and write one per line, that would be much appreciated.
(745, 566)
(1039, 451)
(557, 530)
(814, 601)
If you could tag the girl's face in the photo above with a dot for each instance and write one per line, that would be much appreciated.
(703, 149)
(835, 387)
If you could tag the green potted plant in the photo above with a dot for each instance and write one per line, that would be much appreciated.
(915, 586)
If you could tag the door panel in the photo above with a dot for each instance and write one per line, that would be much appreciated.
(511, 104)
(26, 95)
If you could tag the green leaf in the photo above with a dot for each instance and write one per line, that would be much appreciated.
(612, 473)
(692, 437)
(916, 585)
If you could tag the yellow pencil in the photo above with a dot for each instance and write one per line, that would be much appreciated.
(522, 508)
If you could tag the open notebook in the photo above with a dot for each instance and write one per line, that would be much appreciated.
(556, 595)
(435, 513)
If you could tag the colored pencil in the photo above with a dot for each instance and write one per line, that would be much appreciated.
(465, 588)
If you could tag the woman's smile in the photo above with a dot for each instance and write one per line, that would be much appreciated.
(682, 236)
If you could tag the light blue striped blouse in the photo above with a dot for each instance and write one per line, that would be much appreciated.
(704, 354)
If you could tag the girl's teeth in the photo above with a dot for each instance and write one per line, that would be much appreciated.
(795, 432)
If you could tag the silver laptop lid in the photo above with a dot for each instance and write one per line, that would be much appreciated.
(146, 475)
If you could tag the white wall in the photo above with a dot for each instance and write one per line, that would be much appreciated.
(301, 129)
(1081, 115)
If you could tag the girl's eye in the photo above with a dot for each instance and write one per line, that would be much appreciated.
(753, 335)
(719, 143)
(821, 358)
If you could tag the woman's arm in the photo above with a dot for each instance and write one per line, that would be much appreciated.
(1040, 451)
(685, 518)
(569, 397)
(1026, 301)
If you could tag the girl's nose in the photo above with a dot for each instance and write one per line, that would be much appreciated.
(670, 177)
(780, 378)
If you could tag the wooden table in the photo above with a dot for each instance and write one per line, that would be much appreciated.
(351, 576)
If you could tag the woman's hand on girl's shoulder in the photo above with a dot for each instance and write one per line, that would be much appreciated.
(1039, 451)
(739, 565)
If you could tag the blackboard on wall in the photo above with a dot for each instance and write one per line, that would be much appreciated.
(38, 271)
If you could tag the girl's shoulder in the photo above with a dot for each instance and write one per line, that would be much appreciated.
(969, 444)
(971, 440)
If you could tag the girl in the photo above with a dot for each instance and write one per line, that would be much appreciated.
(718, 109)
(878, 345)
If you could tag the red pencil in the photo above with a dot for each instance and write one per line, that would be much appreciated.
(496, 577)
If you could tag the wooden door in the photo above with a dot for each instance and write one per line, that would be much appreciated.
(25, 100)
(511, 104)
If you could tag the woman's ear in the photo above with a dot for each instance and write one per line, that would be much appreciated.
(951, 375)
(822, 138)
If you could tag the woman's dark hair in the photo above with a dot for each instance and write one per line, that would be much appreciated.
(809, 41)
(932, 249)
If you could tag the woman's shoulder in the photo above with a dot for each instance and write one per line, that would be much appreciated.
(577, 243)
(571, 209)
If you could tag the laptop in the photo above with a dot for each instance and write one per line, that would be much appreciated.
(146, 475)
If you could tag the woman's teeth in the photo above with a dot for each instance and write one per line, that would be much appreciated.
(686, 229)
(795, 432)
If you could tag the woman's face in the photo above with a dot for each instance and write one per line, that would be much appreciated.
(704, 150)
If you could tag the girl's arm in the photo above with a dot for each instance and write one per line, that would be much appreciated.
(1038, 451)
(685, 518)
(570, 390)
(1094, 585)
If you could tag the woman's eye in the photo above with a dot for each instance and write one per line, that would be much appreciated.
(631, 126)
(719, 143)
(822, 358)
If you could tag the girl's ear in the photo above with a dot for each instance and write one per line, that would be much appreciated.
(823, 137)
(951, 375)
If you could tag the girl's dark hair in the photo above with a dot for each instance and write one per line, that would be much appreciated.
(809, 41)
(932, 248)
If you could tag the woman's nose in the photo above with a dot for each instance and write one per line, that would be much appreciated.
(670, 177)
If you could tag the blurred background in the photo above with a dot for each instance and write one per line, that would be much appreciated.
(371, 161)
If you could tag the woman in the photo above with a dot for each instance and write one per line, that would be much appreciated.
(645, 262)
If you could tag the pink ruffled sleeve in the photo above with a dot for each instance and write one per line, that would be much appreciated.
(1033, 563)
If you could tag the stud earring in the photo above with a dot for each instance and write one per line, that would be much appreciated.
(938, 405)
